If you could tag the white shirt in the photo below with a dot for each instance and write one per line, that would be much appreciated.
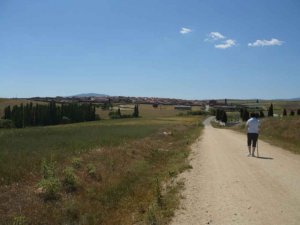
(253, 125)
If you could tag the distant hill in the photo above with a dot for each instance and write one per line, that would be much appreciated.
(89, 95)
(288, 99)
(295, 99)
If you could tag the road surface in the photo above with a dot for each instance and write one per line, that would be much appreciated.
(225, 187)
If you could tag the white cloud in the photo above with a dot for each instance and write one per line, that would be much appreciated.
(263, 43)
(226, 44)
(185, 30)
(214, 36)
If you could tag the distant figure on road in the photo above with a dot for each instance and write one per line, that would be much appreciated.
(252, 132)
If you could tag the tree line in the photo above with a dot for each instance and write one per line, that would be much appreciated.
(49, 114)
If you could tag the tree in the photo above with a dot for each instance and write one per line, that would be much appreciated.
(136, 111)
(270, 111)
(292, 113)
(261, 114)
(225, 101)
(218, 114)
(119, 112)
(244, 114)
(284, 112)
(224, 117)
(298, 112)
(7, 113)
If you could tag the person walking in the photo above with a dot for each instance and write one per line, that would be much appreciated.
(252, 125)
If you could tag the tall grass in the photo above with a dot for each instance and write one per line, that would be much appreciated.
(284, 132)
(22, 150)
(124, 170)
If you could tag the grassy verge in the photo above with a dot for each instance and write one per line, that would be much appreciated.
(118, 172)
(283, 132)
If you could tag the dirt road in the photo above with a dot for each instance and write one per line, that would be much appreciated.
(225, 187)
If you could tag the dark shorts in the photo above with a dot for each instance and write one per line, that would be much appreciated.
(252, 138)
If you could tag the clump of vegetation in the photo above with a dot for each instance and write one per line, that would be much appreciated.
(70, 181)
(50, 188)
(49, 184)
(91, 170)
(48, 169)
(76, 162)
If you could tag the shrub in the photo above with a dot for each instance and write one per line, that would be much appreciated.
(51, 188)
(48, 169)
(91, 170)
(70, 179)
(284, 112)
(76, 162)
(6, 123)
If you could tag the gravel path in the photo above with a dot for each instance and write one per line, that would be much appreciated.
(225, 187)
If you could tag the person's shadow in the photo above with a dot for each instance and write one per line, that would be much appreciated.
(260, 157)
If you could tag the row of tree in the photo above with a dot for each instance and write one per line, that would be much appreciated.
(292, 112)
(49, 114)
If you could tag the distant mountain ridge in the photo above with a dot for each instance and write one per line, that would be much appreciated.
(89, 95)
(295, 99)
(288, 99)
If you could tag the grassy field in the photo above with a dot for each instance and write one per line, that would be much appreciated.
(102, 172)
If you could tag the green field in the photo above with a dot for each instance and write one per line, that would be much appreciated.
(120, 171)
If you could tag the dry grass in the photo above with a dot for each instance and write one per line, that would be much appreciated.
(283, 132)
(117, 163)
(122, 191)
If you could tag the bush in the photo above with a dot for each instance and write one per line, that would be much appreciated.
(70, 179)
(6, 123)
(48, 169)
(76, 162)
(91, 170)
(51, 188)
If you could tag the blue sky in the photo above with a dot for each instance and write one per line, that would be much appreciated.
(192, 49)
